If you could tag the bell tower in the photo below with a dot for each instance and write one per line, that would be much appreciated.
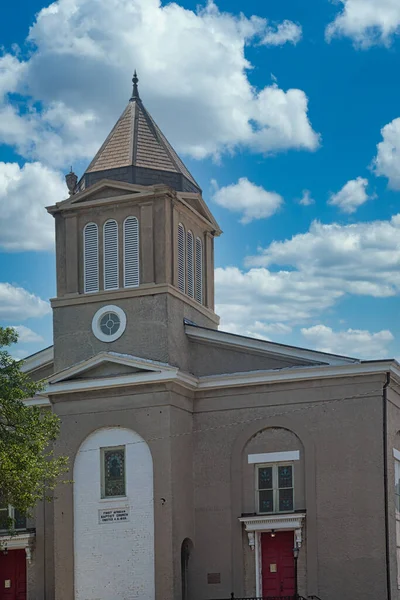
(134, 250)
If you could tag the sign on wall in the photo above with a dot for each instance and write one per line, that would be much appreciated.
(113, 515)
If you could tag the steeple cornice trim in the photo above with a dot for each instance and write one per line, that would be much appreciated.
(149, 289)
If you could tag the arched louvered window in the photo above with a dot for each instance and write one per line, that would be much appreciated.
(181, 257)
(199, 270)
(131, 252)
(111, 278)
(190, 265)
(90, 258)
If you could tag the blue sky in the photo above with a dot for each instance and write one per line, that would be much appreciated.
(285, 112)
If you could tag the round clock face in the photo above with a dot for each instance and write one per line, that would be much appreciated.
(109, 323)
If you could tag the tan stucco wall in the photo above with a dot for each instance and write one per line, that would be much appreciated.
(203, 483)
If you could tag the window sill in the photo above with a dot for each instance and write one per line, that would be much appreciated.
(115, 499)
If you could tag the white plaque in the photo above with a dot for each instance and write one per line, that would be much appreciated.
(113, 515)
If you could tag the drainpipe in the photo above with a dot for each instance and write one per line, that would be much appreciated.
(385, 481)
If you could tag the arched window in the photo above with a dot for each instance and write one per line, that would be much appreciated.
(181, 257)
(131, 252)
(190, 265)
(199, 270)
(111, 279)
(90, 258)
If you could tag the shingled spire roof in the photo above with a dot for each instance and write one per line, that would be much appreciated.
(136, 151)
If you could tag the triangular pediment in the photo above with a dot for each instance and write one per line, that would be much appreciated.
(109, 365)
(196, 203)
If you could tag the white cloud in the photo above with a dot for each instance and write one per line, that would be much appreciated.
(306, 199)
(16, 304)
(24, 192)
(366, 22)
(284, 32)
(193, 78)
(353, 342)
(352, 195)
(387, 160)
(252, 201)
(361, 258)
(293, 281)
(26, 335)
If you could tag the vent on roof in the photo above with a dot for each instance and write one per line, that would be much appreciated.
(111, 279)
(131, 252)
(199, 270)
(90, 258)
(181, 257)
(190, 265)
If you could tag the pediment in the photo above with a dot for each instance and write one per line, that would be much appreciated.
(196, 202)
(108, 365)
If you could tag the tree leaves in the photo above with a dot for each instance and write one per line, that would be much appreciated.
(29, 470)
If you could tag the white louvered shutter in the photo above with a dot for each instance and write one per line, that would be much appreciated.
(90, 258)
(111, 279)
(131, 252)
(181, 257)
(199, 271)
(190, 265)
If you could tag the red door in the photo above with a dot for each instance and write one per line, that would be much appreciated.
(277, 564)
(13, 575)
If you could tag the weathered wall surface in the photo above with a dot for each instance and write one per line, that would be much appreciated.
(114, 560)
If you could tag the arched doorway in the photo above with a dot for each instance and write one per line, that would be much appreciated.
(186, 550)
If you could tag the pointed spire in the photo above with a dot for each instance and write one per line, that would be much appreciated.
(135, 91)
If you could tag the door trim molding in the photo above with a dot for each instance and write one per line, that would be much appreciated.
(256, 525)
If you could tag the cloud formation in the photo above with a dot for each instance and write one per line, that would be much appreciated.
(366, 22)
(352, 342)
(295, 280)
(352, 195)
(16, 304)
(387, 160)
(26, 335)
(282, 33)
(24, 193)
(252, 201)
(193, 78)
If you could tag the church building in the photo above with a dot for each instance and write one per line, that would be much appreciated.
(202, 463)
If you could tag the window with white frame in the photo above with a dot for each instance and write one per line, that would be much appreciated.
(113, 483)
(10, 518)
(131, 252)
(90, 258)
(181, 258)
(111, 263)
(275, 488)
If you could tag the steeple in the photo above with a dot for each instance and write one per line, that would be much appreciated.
(136, 151)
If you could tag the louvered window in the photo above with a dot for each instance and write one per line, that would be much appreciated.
(90, 258)
(190, 265)
(199, 271)
(111, 279)
(181, 257)
(131, 252)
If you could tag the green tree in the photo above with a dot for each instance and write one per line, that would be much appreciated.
(29, 471)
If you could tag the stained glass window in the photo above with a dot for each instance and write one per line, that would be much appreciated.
(275, 491)
(113, 483)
